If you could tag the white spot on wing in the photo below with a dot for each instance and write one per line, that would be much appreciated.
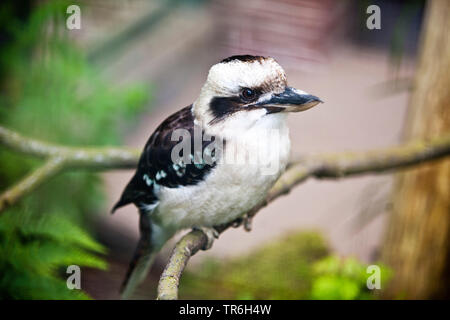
(149, 207)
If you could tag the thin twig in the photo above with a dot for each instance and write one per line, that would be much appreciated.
(50, 168)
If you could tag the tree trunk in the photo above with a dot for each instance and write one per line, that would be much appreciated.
(417, 240)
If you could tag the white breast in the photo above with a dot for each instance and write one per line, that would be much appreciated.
(230, 189)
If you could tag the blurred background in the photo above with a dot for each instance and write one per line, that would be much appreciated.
(134, 62)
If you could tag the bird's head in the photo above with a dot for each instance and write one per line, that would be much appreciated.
(243, 89)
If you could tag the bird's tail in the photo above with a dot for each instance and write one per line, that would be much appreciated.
(143, 257)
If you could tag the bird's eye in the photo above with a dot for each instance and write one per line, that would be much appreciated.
(248, 94)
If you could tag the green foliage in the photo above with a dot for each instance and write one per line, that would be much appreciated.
(296, 267)
(281, 270)
(342, 279)
(50, 92)
(33, 252)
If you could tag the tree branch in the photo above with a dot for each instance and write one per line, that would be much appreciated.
(331, 166)
(184, 249)
(320, 166)
(74, 157)
(59, 158)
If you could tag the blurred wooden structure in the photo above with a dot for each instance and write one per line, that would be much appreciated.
(298, 33)
(417, 245)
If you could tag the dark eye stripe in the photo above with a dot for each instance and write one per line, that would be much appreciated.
(220, 107)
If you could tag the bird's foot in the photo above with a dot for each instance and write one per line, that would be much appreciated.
(246, 221)
(211, 235)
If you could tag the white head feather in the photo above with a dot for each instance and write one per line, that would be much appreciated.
(227, 79)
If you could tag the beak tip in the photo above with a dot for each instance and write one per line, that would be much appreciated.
(318, 99)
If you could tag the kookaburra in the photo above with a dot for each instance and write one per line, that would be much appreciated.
(244, 101)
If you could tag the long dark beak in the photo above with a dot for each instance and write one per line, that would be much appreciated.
(290, 100)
